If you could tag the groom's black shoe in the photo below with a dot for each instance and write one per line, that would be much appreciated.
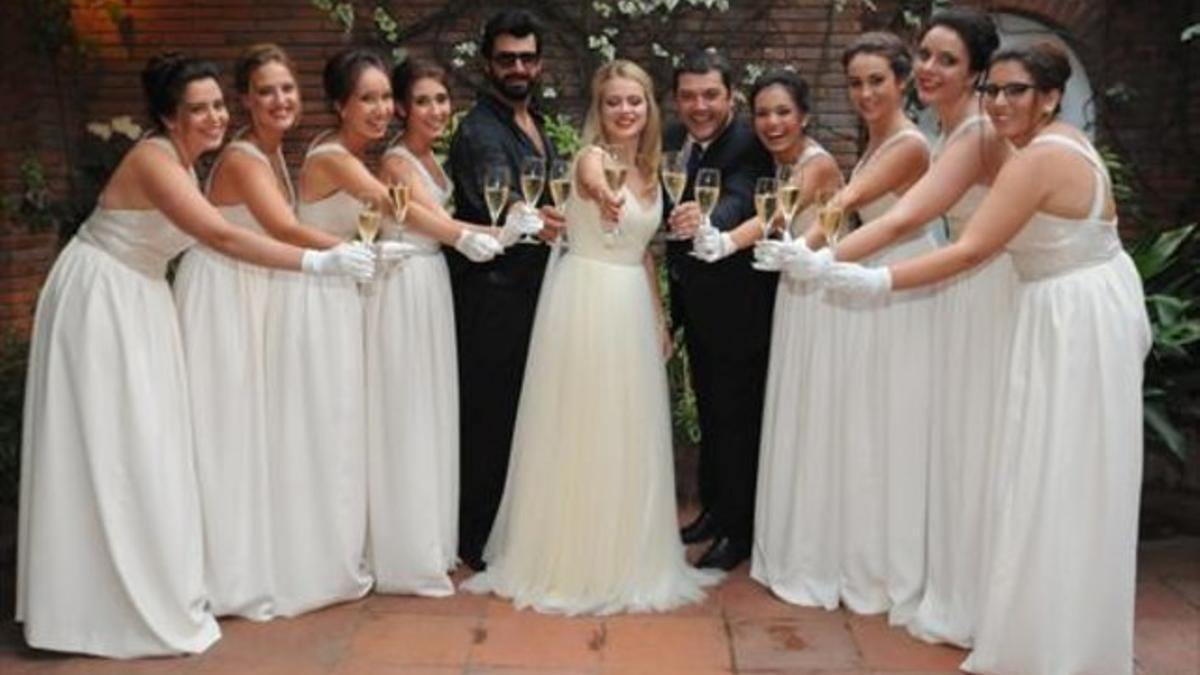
(703, 528)
(725, 553)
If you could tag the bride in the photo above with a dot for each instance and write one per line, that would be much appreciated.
(588, 522)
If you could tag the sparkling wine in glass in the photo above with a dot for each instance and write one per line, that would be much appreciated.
(615, 172)
(790, 194)
(369, 218)
(708, 192)
(832, 217)
(398, 195)
(368, 223)
(674, 178)
(766, 202)
(496, 183)
(533, 181)
(560, 183)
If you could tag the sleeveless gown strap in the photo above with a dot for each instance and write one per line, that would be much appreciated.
(398, 149)
(962, 128)
(258, 154)
(1103, 179)
(888, 143)
(170, 147)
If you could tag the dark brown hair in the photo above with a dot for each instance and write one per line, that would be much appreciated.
(884, 44)
(408, 71)
(164, 80)
(1045, 62)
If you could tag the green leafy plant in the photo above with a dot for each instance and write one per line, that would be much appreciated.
(1166, 262)
(34, 205)
(563, 134)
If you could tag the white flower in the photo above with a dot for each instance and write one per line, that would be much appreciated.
(659, 51)
(603, 9)
(601, 44)
(549, 92)
(100, 130)
(126, 127)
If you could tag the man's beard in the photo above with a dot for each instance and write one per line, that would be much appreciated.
(515, 89)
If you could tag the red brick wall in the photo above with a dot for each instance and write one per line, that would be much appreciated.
(1119, 41)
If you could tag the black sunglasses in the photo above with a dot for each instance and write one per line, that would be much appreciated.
(509, 59)
(1011, 90)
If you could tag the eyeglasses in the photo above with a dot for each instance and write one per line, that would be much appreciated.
(1011, 90)
(509, 59)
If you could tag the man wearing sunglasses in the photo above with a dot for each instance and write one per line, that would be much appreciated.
(494, 302)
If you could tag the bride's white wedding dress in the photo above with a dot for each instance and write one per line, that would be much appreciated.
(588, 519)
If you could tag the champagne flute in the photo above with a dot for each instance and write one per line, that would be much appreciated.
(368, 222)
(674, 178)
(708, 192)
(832, 217)
(614, 174)
(369, 218)
(766, 202)
(496, 182)
(398, 194)
(787, 178)
(560, 190)
(533, 181)
(560, 183)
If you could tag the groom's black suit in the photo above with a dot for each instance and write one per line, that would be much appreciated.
(725, 311)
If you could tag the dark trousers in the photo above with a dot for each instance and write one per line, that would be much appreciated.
(725, 310)
(494, 304)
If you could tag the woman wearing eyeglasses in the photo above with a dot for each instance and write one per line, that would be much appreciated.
(972, 317)
(1061, 509)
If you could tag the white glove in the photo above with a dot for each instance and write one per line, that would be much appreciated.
(855, 281)
(713, 245)
(344, 260)
(477, 246)
(806, 265)
(519, 220)
(395, 251)
(771, 254)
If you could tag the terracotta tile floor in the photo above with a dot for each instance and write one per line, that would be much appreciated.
(741, 628)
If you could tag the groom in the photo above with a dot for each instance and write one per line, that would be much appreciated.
(494, 302)
(723, 306)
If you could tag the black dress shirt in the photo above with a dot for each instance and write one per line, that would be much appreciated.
(489, 135)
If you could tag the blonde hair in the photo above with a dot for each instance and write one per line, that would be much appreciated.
(649, 150)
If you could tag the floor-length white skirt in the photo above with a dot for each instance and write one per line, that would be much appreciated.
(222, 308)
(974, 325)
(1061, 521)
(797, 544)
(412, 421)
(316, 426)
(110, 553)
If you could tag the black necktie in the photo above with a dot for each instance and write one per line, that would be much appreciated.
(693, 163)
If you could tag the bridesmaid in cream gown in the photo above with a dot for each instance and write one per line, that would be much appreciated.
(110, 548)
(588, 523)
(412, 374)
(222, 313)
